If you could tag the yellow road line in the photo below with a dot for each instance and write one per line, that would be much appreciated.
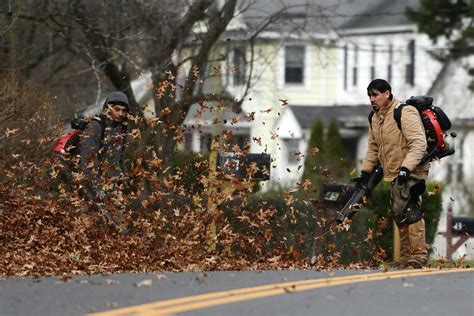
(223, 297)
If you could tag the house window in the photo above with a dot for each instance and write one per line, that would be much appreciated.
(241, 140)
(410, 67)
(354, 68)
(292, 148)
(345, 66)
(237, 67)
(188, 141)
(390, 62)
(205, 143)
(372, 68)
(294, 64)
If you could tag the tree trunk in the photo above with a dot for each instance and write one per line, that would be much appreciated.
(122, 82)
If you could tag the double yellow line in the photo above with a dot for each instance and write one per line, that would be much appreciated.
(184, 304)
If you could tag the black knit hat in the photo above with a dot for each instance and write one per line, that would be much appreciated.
(117, 97)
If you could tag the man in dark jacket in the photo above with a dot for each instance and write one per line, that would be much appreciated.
(102, 148)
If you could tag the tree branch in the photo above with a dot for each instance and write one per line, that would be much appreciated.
(216, 28)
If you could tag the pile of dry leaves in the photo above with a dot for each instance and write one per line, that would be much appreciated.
(46, 228)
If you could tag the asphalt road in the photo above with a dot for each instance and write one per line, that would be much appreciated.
(301, 292)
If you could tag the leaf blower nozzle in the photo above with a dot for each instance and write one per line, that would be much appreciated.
(362, 190)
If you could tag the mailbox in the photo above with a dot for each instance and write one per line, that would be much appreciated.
(463, 225)
(332, 198)
(242, 166)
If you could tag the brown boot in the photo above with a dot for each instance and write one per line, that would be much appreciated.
(415, 263)
(399, 264)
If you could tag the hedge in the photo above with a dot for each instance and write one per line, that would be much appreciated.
(292, 226)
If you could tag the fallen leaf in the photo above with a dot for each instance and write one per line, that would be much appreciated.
(147, 282)
(9, 132)
(160, 276)
(201, 278)
(274, 259)
(111, 282)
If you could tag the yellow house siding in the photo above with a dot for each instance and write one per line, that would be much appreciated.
(320, 72)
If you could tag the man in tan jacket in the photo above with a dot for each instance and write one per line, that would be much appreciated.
(399, 152)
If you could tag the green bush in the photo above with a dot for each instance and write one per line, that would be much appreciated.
(314, 154)
(272, 222)
(335, 156)
(326, 159)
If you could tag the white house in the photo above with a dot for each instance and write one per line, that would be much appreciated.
(291, 65)
(331, 67)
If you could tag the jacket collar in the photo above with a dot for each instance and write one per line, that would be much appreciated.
(383, 111)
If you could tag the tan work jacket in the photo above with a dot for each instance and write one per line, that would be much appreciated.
(395, 148)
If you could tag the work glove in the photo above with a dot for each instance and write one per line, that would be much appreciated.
(403, 175)
(362, 179)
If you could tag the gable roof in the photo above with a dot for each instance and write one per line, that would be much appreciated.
(374, 13)
(326, 16)
(288, 16)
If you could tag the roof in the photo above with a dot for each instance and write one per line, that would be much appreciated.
(289, 16)
(358, 14)
(348, 116)
(325, 16)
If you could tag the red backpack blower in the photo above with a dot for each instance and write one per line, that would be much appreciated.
(436, 124)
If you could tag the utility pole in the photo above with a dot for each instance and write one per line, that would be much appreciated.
(213, 187)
